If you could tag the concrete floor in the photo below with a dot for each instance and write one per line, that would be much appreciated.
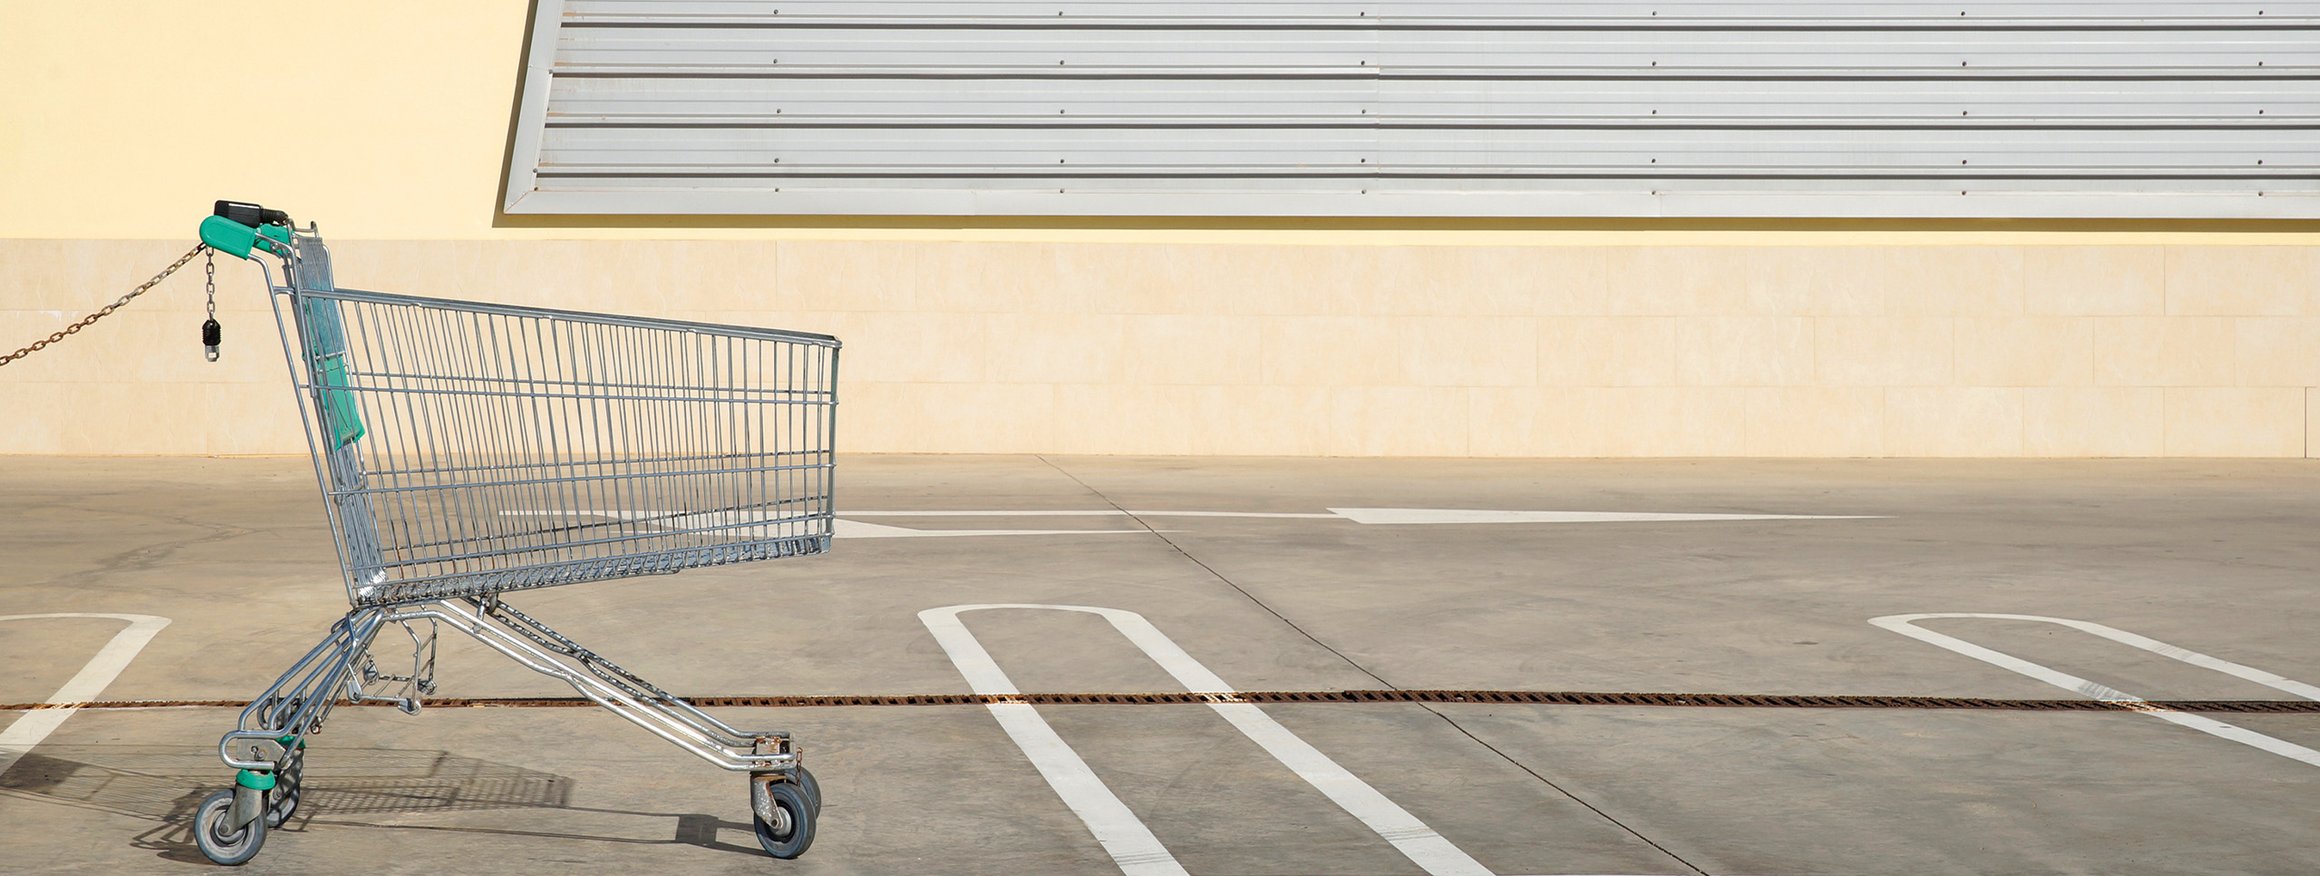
(2215, 557)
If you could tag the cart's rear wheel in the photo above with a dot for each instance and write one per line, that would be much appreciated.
(784, 820)
(813, 789)
(219, 839)
(282, 802)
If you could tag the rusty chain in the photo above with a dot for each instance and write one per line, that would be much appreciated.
(1324, 697)
(108, 309)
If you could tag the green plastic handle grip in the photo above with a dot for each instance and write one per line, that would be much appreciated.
(238, 240)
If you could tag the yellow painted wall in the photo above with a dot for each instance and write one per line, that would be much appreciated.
(388, 124)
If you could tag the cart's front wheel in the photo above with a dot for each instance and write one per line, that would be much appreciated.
(784, 820)
(282, 802)
(223, 841)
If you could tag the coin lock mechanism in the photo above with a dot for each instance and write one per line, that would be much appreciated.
(251, 216)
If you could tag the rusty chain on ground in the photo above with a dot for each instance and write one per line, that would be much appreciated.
(108, 309)
(1317, 697)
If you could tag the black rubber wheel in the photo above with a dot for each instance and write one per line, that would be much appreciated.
(813, 789)
(282, 802)
(791, 831)
(219, 840)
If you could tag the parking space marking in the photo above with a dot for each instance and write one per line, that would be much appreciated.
(20, 737)
(1130, 843)
(1905, 624)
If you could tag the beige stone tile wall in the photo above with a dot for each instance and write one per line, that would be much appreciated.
(1287, 349)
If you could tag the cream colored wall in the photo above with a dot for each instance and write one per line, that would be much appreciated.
(388, 124)
(1351, 349)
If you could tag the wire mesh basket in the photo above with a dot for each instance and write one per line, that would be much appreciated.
(476, 448)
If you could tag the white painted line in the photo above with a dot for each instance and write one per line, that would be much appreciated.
(20, 737)
(1103, 513)
(1438, 516)
(1123, 835)
(1905, 624)
(1394, 516)
(844, 528)
(1368, 516)
(1416, 841)
(840, 528)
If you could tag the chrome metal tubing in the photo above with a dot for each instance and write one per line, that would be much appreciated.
(667, 717)
(303, 696)
(613, 674)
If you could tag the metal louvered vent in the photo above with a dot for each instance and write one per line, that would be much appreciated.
(1866, 108)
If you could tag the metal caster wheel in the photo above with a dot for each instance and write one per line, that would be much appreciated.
(220, 840)
(282, 802)
(784, 819)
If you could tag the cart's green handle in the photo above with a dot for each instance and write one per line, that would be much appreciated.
(238, 240)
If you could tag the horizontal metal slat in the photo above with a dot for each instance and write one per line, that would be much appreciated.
(1486, 47)
(1193, 148)
(1729, 9)
(1647, 73)
(2059, 99)
(1932, 124)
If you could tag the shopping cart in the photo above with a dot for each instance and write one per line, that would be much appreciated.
(469, 450)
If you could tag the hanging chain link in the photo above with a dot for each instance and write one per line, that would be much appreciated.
(108, 309)
(209, 280)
